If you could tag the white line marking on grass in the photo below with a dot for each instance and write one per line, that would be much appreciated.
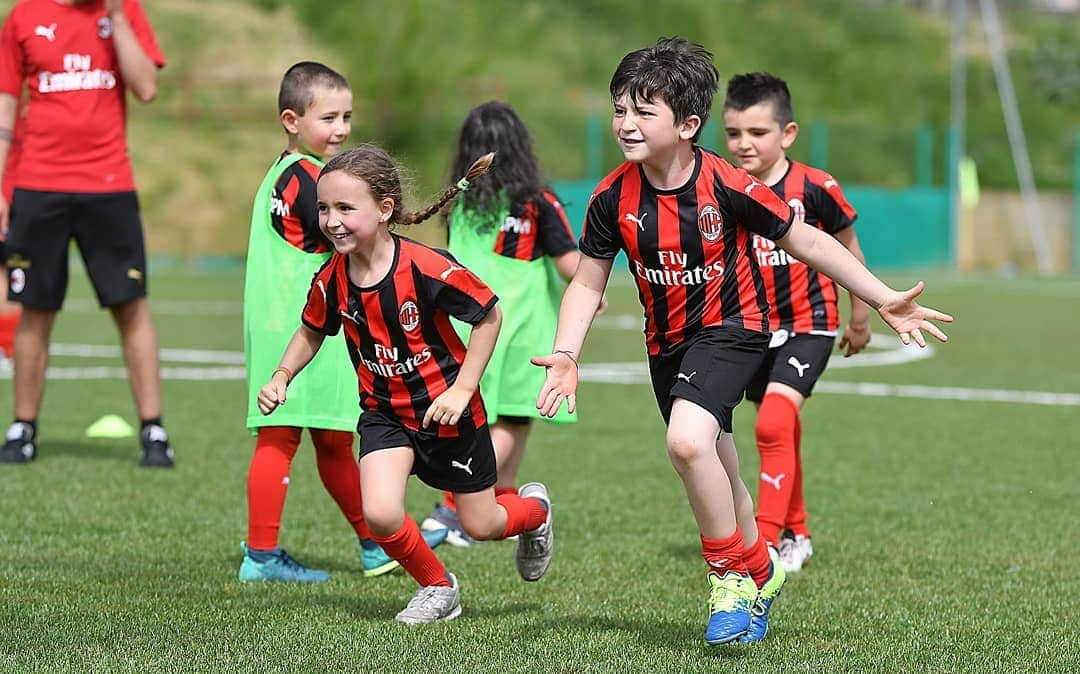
(82, 305)
(948, 393)
(167, 355)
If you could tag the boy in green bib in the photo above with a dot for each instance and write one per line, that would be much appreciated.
(285, 250)
(510, 230)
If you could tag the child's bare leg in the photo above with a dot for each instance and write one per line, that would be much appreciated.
(509, 441)
(691, 443)
(744, 504)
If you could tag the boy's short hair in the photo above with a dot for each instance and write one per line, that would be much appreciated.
(750, 89)
(297, 86)
(676, 70)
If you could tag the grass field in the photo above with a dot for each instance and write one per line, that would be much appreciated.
(945, 531)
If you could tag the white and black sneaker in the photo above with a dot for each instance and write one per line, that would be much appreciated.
(534, 548)
(156, 452)
(20, 445)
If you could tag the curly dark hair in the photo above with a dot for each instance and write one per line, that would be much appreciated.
(515, 177)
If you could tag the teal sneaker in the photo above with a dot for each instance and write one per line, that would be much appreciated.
(730, 599)
(759, 612)
(279, 567)
(375, 561)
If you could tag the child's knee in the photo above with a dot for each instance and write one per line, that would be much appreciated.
(684, 450)
(481, 528)
(383, 520)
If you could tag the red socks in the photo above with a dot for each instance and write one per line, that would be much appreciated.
(796, 514)
(522, 514)
(757, 561)
(9, 323)
(409, 548)
(340, 474)
(777, 420)
(724, 554)
(268, 480)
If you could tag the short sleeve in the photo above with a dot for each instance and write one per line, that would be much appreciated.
(144, 33)
(294, 213)
(556, 237)
(321, 312)
(757, 207)
(598, 235)
(834, 212)
(11, 58)
(457, 291)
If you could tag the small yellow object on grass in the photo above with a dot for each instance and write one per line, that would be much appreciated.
(110, 426)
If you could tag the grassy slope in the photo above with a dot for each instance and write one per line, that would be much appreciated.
(941, 528)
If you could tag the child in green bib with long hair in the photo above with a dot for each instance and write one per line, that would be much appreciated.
(285, 250)
(510, 230)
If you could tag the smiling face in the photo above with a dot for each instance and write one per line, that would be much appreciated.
(756, 140)
(325, 124)
(349, 216)
(647, 132)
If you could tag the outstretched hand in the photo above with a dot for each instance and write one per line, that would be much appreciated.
(560, 384)
(909, 319)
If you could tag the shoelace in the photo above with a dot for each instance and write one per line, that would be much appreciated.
(724, 598)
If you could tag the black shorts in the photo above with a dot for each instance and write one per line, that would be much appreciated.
(798, 362)
(464, 464)
(106, 228)
(711, 370)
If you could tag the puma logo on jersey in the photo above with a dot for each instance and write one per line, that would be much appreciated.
(686, 377)
(467, 466)
(453, 268)
(47, 32)
(774, 481)
(640, 219)
(800, 367)
(831, 182)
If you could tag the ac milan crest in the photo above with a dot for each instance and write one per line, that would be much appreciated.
(710, 223)
(409, 315)
(104, 28)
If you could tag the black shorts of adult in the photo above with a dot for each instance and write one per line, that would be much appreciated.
(711, 370)
(797, 363)
(463, 464)
(107, 230)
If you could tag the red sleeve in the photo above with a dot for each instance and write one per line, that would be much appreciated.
(321, 310)
(11, 57)
(140, 25)
(455, 289)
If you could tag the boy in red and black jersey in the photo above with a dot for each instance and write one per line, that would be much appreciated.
(685, 220)
(542, 229)
(760, 127)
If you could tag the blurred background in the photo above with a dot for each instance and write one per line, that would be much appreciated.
(876, 84)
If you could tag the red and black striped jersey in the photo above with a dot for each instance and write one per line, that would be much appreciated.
(541, 229)
(688, 249)
(402, 344)
(803, 300)
(294, 207)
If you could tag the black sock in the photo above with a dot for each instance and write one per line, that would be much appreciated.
(156, 421)
(32, 423)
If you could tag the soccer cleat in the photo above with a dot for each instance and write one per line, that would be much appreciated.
(432, 603)
(375, 561)
(794, 551)
(280, 567)
(534, 548)
(156, 452)
(730, 599)
(759, 612)
(442, 517)
(20, 445)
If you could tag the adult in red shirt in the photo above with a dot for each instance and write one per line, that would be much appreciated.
(73, 180)
(9, 311)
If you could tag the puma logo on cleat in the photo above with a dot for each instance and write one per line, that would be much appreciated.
(800, 367)
(47, 32)
(686, 377)
(453, 268)
(774, 481)
(640, 220)
(463, 466)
